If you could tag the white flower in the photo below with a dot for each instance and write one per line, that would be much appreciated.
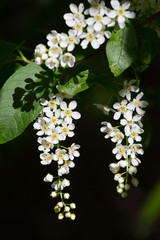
(114, 167)
(57, 185)
(48, 178)
(69, 41)
(53, 119)
(128, 87)
(123, 163)
(40, 49)
(120, 151)
(55, 136)
(117, 136)
(46, 158)
(65, 183)
(67, 59)
(129, 120)
(53, 194)
(133, 134)
(77, 14)
(96, 4)
(63, 170)
(135, 149)
(132, 170)
(98, 20)
(121, 107)
(44, 145)
(38, 60)
(73, 151)
(137, 104)
(51, 104)
(66, 195)
(135, 162)
(53, 38)
(42, 126)
(120, 12)
(107, 128)
(67, 112)
(55, 51)
(52, 63)
(95, 39)
(66, 129)
(60, 156)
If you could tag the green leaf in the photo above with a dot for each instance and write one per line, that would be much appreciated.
(121, 49)
(149, 46)
(19, 100)
(78, 83)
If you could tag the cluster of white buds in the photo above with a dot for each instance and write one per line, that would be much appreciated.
(53, 125)
(127, 135)
(91, 25)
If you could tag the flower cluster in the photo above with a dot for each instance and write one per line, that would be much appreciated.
(53, 126)
(87, 26)
(127, 135)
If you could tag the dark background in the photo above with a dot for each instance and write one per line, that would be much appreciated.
(26, 209)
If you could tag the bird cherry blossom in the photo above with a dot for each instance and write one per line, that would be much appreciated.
(120, 12)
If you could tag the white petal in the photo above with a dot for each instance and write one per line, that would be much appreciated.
(63, 44)
(67, 16)
(140, 95)
(70, 23)
(71, 47)
(130, 140)
(112, 14)
(121, 25)
(140, 111)
(95, 44)
(72, 105)
(93, 11)
(106, 20)
(76, 154)
(81, 7)
(73, 8)
(129, 14)
(131, 106)
(98, 26)
(143, 104)
(63, 105)
(126, 5)
(71, 134)
(84, 43)
(116, 105)
(117, 115)
(138, 138)
(121, 19)
(123, 122)
(76, 115)
(90, 21)
(115, 4)
(128, 115)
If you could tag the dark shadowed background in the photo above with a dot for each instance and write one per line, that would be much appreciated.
(26, 209)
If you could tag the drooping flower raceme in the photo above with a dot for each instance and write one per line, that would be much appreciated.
(53, 126)
(90, 26)
(127, 136)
